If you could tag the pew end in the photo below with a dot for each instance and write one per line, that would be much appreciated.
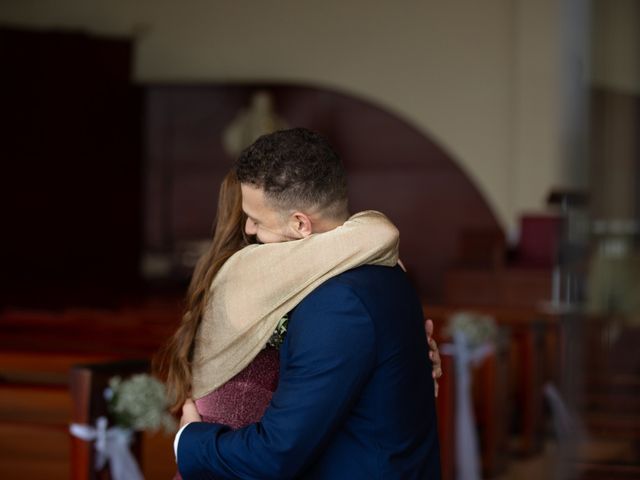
(87, 384)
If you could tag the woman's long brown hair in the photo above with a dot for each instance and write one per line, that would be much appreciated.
(173, 362)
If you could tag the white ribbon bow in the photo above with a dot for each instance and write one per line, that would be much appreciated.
(467, 451)
(112, 445)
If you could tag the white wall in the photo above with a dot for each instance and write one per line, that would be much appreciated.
(481, 78)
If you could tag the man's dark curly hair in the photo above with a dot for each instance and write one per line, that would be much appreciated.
(297, 169)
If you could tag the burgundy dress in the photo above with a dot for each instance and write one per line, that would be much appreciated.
(243, 399)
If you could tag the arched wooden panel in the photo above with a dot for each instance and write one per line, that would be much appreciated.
(392, 167)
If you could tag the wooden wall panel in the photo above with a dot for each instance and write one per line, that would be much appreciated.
(392, 167)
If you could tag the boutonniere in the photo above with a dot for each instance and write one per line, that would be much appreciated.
(277, 337)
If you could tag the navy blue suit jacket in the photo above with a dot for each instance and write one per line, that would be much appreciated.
(355, 398)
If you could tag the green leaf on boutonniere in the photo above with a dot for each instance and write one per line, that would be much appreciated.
(279, 333)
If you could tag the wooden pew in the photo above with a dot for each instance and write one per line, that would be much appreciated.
(35, 411)
(531, 346)
(99, 332)
(599, 471)
(37, 350)
(608, 398)
(491, 409)
(445, 405)
(153, 451)
(87, 385)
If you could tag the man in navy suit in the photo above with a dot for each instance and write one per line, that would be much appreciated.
(355, 398)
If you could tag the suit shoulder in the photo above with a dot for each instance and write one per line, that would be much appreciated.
(357, 283)
(334, 313)
(364, 274)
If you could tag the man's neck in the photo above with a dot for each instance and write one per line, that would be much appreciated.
(322, 225)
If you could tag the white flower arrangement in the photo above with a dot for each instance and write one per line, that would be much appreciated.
(478, 329)
(139, 403)
(277, 337)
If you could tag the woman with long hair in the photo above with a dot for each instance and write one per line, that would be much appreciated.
(220, 355)
(173, 363)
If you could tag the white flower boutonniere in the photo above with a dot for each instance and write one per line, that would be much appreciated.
(280, 332)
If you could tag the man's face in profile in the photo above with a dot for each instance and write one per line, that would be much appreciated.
(263, 221)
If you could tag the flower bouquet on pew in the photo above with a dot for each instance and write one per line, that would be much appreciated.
(139, 403)
(474, 336)
(477, 329)
(135, 404)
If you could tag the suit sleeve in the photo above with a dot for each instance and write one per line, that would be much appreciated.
(329, 357)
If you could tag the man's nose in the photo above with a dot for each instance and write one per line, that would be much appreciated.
(250, 227)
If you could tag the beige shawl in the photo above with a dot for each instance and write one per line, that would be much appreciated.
(258, 285)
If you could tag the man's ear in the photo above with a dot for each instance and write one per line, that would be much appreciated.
(301, 224)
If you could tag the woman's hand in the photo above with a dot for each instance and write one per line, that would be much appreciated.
(189, 413)
(434, 355)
